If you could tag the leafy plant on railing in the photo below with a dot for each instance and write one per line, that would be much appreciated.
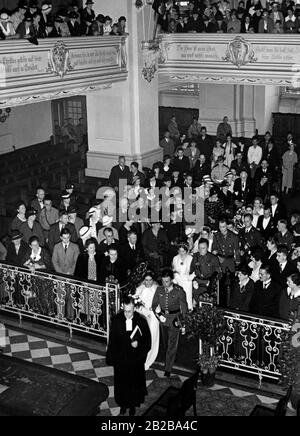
(290, 360)
(206, 323)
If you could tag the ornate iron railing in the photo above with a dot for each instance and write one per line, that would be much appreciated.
(60, 300)
(253, 345)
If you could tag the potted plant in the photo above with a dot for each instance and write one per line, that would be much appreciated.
(208, 325)
(208, 365)
(290, 360)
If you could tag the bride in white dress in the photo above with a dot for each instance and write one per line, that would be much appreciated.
(182, 277)
(144, 294)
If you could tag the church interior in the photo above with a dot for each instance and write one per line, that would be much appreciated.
(149, 199)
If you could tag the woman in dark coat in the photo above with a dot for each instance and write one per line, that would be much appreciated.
(88, 268)
(242, 291)
(112, 267)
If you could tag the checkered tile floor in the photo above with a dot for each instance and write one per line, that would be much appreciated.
(82, 363)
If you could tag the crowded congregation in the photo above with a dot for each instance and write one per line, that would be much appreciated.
(149, 208)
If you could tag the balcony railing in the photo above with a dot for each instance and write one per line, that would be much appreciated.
(59, 67)
(229, 58)
(58, 300)
(253, 345)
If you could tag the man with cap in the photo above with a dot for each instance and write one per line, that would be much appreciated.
(56, 229)
(32, 228)
(87, 17)
(205, 266)
(65, 201)
(169, 303)
(226, 247)
(38, 202)
(48, 216)
(74, 219)
(19, 14)
(70, 190)
(73, 25)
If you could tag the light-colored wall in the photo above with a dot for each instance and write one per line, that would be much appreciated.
(266, 101)
(114, 9)
(27, 125)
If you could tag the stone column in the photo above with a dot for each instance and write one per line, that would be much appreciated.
(123, 117)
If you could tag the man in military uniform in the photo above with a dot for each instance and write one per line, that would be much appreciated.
(170, 305)
(205, 266)
(249, 237)
(226, 247)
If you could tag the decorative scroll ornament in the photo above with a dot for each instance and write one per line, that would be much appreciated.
(240, 52)
(59, 62)
(150, 50)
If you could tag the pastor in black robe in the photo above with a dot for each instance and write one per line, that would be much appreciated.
(128, 362)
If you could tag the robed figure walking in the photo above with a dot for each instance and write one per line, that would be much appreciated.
(129, 344)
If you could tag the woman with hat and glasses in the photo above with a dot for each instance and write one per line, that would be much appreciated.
(182, 277)
(26, 29)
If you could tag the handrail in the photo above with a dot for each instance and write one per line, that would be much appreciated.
(53, 298)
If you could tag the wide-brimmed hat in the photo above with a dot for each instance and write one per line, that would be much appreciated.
(107, 220)
(16, 234)
(70, 185)
(4, 17)
(65, 195)
(92, 210)
(84, 231)
(73, 15)
(89, 2)
(46, 7)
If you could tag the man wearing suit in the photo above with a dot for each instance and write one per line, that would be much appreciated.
(167, 144)
(64, 260)
(38, 202)
(263, 180)
(205, 144)
(119, 172)
(265, 224)
(243, 190)
(131, 253)
(284, 268)
(136, 174)
(278, 211)
(56, 229)
(239, 164)
(202, 168)
(181, 163)
(249, 236)
(283, 236)
(265, 300)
